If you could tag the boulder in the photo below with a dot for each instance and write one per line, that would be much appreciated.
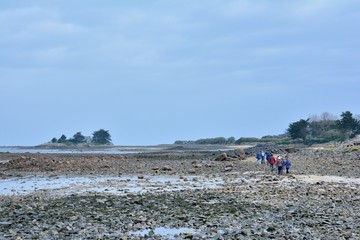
(222, 157)
(240, 153)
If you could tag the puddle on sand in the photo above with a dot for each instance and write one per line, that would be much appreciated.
(64, 185)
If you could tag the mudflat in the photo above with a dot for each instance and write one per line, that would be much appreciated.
(179, 193)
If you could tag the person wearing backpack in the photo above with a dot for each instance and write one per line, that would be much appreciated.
(287, 164)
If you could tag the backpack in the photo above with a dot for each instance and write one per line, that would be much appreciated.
(279, 163)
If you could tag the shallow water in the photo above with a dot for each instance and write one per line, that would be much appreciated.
(115, 150)
(65, 185)
(106, 150)
(115, 185)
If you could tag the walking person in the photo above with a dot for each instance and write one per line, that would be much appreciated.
(262, 157)
(279, 165)
(287, 164)
(267, 156)
(258, 158)
(272, 161)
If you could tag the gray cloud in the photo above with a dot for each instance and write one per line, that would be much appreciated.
(154, 65)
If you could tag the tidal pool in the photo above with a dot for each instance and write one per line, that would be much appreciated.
(63, 185)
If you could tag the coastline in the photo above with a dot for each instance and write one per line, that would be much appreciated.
(183, 193)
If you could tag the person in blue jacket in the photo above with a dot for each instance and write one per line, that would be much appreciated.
(287, 164)
(267, 156)
(258, 158)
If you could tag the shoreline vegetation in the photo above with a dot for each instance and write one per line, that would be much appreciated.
(315, 130)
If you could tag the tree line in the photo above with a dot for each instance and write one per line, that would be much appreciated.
(325, 128)
(98, 137)
(316, 129)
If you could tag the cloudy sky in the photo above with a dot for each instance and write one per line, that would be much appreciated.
(153, 72)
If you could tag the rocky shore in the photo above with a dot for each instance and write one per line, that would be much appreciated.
(245, 201)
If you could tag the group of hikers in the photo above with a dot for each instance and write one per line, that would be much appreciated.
(277, 163)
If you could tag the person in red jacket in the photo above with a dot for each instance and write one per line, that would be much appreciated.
(272, 162)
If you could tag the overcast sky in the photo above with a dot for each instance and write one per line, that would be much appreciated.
(153, 72)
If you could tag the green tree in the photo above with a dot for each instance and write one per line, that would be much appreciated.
(62, 139)
(299, 129)
(319, 126)
(101, 137)
(348, 125)
(78, 137)
(54, 140)
(231, 140)
(216, 140)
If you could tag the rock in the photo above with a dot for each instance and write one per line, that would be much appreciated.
(246, 232)
(5, 224)
(167, 168)
(240, 153)
(228, 169)
(230, 165)
(321, 191)
(102, 201)
(347, 234)
(199, 165)
(271, 228)
(192, 171)
(222, 157)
